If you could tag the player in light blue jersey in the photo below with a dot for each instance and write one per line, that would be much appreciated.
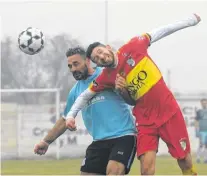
(201, 130)
(107, 118)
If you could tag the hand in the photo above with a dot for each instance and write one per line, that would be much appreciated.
(41, 148)
(198, 17)
(120, 82)
(70, 124)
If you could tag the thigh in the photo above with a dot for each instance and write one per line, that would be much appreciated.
(147, 140)
(96, 159)
(115, 168)
(174, 134)
(123, 151)
(203, 138)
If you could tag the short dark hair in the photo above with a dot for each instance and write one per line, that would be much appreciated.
(91, 47)
(76, 50)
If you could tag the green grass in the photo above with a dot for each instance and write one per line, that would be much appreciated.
(164, 166)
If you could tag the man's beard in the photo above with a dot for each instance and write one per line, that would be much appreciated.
(81, 75)
(112, 62)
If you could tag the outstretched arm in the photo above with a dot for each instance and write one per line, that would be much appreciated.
(58, 129)
(164, 31)
(80, 102)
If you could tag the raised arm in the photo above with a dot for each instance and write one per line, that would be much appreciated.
(80, 103)
(164, 31)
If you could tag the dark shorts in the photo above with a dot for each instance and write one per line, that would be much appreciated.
(98, 154)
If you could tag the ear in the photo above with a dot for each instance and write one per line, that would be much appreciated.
(108, 47)
(88, 61)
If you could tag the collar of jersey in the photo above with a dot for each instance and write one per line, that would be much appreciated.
(95, 74)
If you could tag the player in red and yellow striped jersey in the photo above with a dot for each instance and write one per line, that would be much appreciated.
(156, 110)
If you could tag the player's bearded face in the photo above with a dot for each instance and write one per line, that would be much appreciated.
(81, 74)
(78, 66)
(103, 56)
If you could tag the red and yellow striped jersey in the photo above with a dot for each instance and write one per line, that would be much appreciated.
(155, 103)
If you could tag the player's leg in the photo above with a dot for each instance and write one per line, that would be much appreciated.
(147, 147)
(186, 165)
(174, 134)
(205, 146)
(115, 168)
(86, 173)
(96, 159)
(123, 150)
(147, 162)
(199, 151)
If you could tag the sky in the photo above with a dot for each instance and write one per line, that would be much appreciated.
(183, 53)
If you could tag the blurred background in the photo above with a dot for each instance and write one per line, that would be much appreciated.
(34, 88)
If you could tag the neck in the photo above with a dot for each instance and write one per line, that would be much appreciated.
(116, 61)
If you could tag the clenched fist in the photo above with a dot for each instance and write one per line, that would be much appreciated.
(41, 148)
(70, 124)
(198, 18)
(120, 83)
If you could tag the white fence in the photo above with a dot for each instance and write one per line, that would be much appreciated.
(23, 125)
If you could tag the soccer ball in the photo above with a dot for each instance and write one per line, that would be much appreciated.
(31, 41)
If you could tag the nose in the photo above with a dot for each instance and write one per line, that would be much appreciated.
(73, 69)
(102, 59)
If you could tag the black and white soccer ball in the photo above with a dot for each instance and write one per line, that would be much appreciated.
(31, 41)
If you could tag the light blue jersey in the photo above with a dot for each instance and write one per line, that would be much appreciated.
(106, 115)
(201, 117)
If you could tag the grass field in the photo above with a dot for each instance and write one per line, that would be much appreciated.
(164, 166)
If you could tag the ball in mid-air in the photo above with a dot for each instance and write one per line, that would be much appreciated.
(31, 41)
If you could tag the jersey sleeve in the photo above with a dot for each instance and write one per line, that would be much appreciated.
(140, 43)
(100, 83)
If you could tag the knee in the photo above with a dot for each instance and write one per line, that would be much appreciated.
(148, 169)
(115, 168)
(148, 163)
(114, 171)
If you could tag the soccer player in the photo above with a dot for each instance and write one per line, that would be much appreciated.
(107, 118)
(157, 112)
(201, 128)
